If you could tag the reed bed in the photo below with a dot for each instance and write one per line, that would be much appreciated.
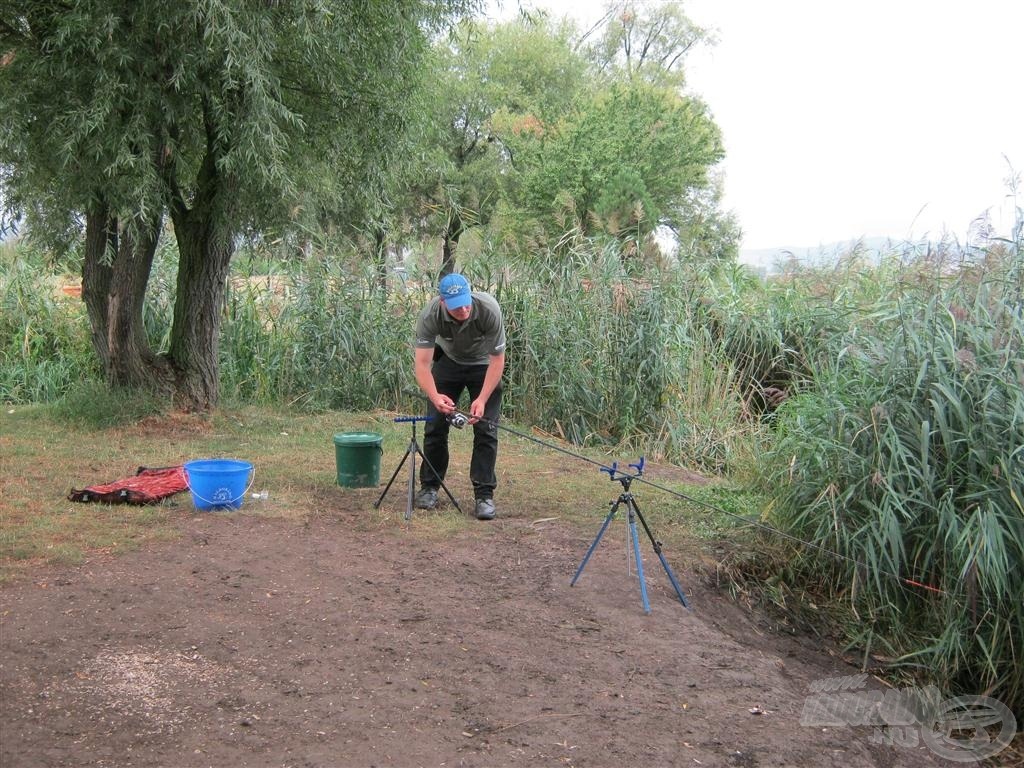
(904, 454)
(44, 337)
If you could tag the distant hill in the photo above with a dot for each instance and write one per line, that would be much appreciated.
(768, 259)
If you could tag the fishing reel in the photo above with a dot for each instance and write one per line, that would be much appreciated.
(457, 420)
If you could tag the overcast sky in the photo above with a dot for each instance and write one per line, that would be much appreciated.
(851, 118)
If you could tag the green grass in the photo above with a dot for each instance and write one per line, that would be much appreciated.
(293, 453)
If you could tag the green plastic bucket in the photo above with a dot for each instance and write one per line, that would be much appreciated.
(358, 459)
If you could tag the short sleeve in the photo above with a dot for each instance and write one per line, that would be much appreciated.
(426, 328)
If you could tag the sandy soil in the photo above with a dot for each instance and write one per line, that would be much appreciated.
(351, 642)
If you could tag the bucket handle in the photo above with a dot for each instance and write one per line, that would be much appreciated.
(252, 479)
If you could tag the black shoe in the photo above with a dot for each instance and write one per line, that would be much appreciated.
(426, 498)
(485, 509)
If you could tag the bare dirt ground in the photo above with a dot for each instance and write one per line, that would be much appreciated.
(348, 641)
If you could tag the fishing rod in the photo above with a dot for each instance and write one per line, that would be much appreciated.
(465, 419)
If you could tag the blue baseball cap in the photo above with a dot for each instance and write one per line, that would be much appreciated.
(455, 291)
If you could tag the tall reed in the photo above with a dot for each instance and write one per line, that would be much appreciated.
(905, 454)
(44, 337)
(605, 353)
(599, 352)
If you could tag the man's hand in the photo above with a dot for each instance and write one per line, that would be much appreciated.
(425, 379)
(495, 367)
(476, 409)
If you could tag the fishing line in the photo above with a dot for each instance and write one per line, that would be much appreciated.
(902, 580)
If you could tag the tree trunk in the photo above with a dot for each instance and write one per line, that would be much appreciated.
(100, 237)
(115, 274)
(450, 245)
(380, 256)
(204, 260)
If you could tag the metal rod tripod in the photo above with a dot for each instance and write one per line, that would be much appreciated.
(411, 453)
(632, 515)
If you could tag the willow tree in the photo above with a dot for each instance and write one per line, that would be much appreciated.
(225, 116)
(628, 160)
(633, 153)
(485, 80)
(644, 40)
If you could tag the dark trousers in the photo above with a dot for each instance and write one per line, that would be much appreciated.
(451, 379)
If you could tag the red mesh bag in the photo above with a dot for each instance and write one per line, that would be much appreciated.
(147, 486)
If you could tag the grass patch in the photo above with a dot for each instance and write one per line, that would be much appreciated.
(45, 455)
(92, 404)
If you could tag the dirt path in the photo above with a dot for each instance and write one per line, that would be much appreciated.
(253, 642)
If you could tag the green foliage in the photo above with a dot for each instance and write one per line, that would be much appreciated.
(158, 309)
(585, 360)
(602, 354)
(717, 511)
(631, 138)
(624, 209)
(93, 405)
(128, 103)
(777, 335)
(229, 116)
(537, 67)
(353, 340)
(529, 135)
(597, 352)
(646, 41)
(44, 338)
(905, 454)
(480, 88)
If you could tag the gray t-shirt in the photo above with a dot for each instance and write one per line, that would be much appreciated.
(471, 342)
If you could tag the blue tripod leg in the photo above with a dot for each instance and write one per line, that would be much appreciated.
(593, 546)
(639, 563)
(664, 563)
(672, 578)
